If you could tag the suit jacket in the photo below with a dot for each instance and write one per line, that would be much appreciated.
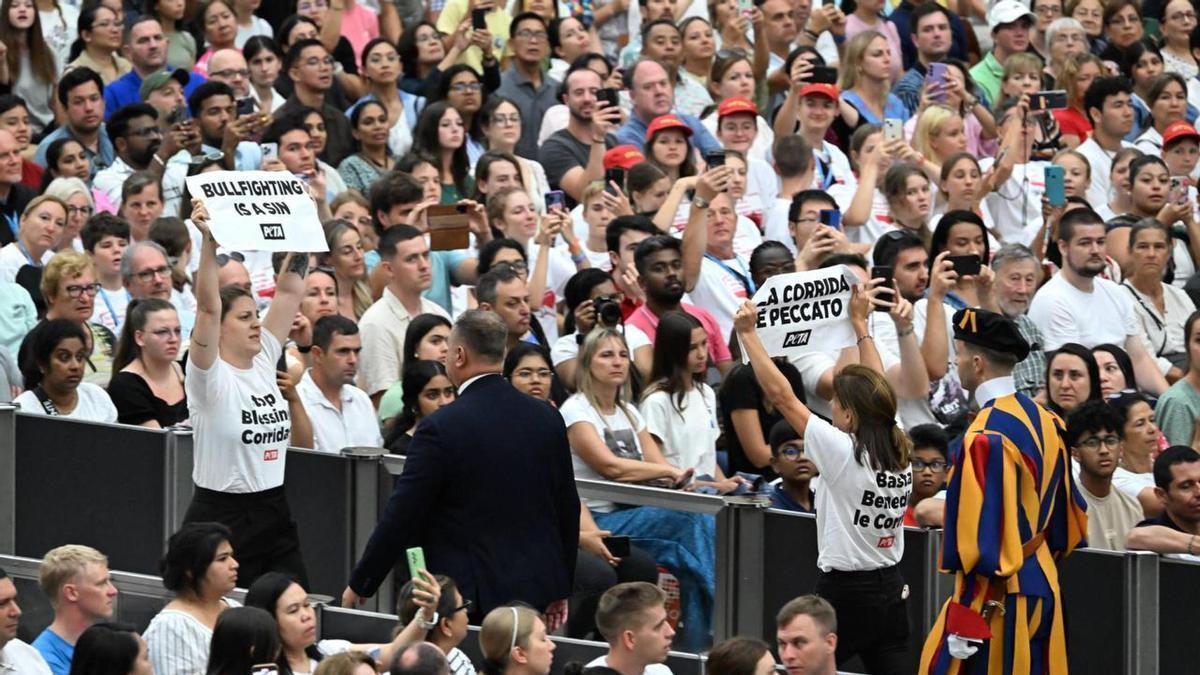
(489, 492)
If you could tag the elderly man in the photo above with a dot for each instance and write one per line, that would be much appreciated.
(146, 48)
(230, 67)
(1017, 276)
(147, 274)
(14, 196)
(653, 95)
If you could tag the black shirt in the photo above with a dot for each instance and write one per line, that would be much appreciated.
(11, 209)
(137, 404)
(740, 391)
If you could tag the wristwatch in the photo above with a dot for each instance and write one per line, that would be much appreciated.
(700, 203)
(426, 625)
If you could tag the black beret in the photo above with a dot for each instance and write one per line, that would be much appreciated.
(991, 331)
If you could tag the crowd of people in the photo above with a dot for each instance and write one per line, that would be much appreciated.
(624, 178)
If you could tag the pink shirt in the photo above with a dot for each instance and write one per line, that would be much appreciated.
(718, 350)
(855, 25)
(360, 25)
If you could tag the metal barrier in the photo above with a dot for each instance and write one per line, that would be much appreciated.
(125, 489)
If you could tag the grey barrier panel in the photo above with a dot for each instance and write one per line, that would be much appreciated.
(1141, 628)
(1095, 620)
(740, 555)
(178, 477)
(8, 478)
(320, 495)
(96, 484)
(1178, 629)
(790, 570)
(370, 627)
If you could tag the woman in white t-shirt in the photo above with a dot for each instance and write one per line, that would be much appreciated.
(680, 409)
(242, 423)
(865, 484)
(200, 569)
(59, 352)
(610, 441)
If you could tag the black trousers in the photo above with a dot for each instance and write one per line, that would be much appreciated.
(593, 576)
(265, 538)
(872, 618)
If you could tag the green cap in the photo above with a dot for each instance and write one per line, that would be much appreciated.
(155, 81)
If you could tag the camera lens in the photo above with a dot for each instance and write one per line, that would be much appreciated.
(609, 312)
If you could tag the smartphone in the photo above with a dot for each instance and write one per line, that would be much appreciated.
(715, 158)
(449, 227)
(832, 218)
(1055, 190)
(883, 272)
(479, 19)
(1048, 100)
(416, 560)
(617, 546)
(179, 114)
(609, 96)
(1178, 190)
(264, 669)
(893, 129)
(246, 106)
(614, 175)
(556, 199)
(966, 265)
(269, 150)
(823, 75)
(936, 77)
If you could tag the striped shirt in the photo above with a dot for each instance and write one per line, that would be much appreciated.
(178, 643)
(459, 663)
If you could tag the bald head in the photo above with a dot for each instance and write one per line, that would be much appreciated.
(420, 658)
(229, 66)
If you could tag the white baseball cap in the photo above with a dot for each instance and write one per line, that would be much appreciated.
(1008, 11)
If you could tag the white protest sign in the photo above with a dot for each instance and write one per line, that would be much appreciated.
(805, 311)
(259, 211)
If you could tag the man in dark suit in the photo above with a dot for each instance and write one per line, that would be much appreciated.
(488, 490)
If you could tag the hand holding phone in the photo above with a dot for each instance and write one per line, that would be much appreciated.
(555, 199)
(416, 561)
(617, 546)
(966, 265)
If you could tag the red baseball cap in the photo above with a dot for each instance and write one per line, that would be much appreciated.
(1178, 131)
(820, 89)
(663, 122)
(736, 105)
(623, 157)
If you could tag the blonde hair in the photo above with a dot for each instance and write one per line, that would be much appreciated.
(930, 124)
(63, 564)
(856, 47)
(593, 190)
(1021, 62)
(1065, 78)
(503, 629)
(343, 664)
(349, 196)
(497, 203)
(64, 265)
(587, 352)
(38, 201)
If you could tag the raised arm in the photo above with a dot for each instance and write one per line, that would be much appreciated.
(206, 334)
(289, 291)
(695, 237)
(775, 386)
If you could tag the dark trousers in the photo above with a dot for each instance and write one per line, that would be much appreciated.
(593, 576)
(264, 535)
(872, 618)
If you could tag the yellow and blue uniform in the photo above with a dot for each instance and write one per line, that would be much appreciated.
(1012, 508)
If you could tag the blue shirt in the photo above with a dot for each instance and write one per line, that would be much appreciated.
(443, 263)
(901, 18)
(780, 499)
(56, 651)
(893, 109)
(633, 132)
(98, 160)
(126, 89)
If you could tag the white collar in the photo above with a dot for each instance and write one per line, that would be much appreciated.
(463, 387)
(995, 388)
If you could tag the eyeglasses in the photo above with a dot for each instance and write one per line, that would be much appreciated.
(1094, 442)
(1068, 38)
(1049, 10)
(1182, 16)
(75, 291)
(464, 87)
(732, 53)
(145, 132)
(80, 211)
(919, 465)
(535, 35)
(223, 259)
(164, 333)
(519, 266)
(505, 120)
(229, 74)
(539, 373)
(791, 453)
(201, 160)
(317, 62)
(149, 275)
(466, 605)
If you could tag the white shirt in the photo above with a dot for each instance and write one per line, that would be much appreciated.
(879, 222)
(719, 291)
(177, 643)
(1131, 483)
(354, 425)
(860, 514)
(109, 308)
(1016, 205)
(618, 431)
(764, 137)
(25, 660)
(1100, 161)
(93, 405)
(1162, 334)
(559, 271)
(840, 172)
(258, 26)
(651, 669)
(12, 259)
(566, 348)
(812, 365)
(382, 327)
(689, 436)
(775, 224)
(1150, 142)
(1067, 314)
(994, 389)
(746, 236)
(241, 423)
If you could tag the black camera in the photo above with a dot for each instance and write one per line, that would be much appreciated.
(608, 310)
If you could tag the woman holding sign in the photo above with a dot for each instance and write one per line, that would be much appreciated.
(242, 422)
(866, 480)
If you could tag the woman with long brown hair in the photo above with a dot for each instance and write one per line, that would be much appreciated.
(30, 66)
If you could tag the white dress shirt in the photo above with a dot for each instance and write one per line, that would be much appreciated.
(354, 425)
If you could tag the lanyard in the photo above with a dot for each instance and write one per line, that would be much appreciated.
(25, 252)
(824, 172)
(111, 311)
(14, 223)
(743, 277)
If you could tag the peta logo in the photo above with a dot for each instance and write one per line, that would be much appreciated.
(272, 231)
(796, 338)
(886, 542)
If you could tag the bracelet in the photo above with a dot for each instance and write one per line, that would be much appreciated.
(810, 34)
(578, 257)
(304, 349)
(906, 333)
(865, 337)
(1190, 543)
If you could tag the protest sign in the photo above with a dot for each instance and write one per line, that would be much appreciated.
(259, 211)
(805, 311)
